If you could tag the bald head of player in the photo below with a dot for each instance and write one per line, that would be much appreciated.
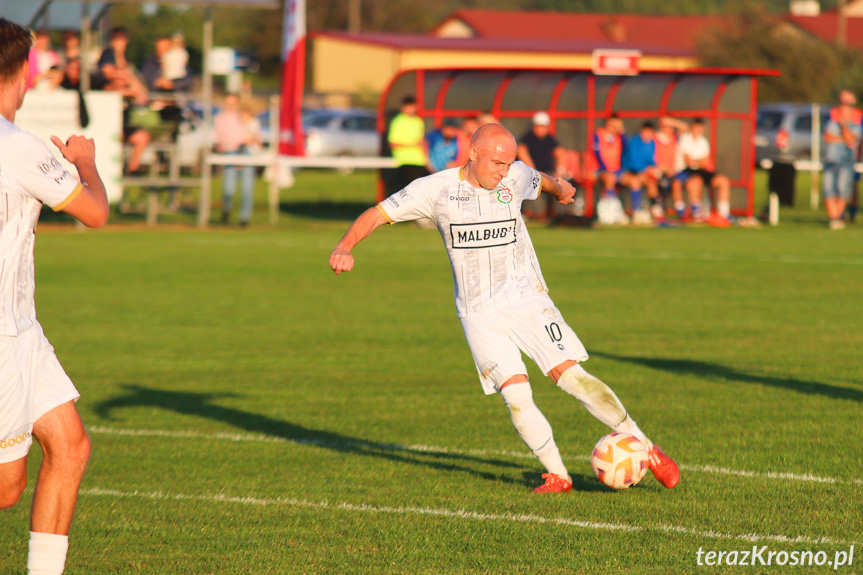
(492, 151)
(15, 43)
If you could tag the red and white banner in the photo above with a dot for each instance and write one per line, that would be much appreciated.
(291, 138)
(616, 62)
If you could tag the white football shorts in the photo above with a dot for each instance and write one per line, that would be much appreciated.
(32, 383)
(534, 326)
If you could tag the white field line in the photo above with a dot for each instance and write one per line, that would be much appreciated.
(240, 437)
(463, 514)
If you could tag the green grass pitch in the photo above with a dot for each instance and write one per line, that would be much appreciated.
(252, 413)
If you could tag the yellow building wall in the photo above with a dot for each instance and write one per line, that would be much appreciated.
(417, 59)
(344, 66)
(354, 67)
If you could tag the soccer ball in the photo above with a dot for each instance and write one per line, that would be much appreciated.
(619, 460)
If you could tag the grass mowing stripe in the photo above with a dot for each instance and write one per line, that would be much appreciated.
(589, 252)
(710, 469)
(462, 514)
(706, 256)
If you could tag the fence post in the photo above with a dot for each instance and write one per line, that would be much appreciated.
(816, 156)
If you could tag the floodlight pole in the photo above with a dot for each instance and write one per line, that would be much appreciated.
(206, 181)
(84, 55)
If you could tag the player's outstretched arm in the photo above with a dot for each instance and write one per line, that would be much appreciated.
(90, 206)
(341, 258)
(559, 188)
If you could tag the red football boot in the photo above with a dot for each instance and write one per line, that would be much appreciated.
(663, 467)
(554, 484)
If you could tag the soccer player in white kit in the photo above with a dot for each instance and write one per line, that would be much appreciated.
(37, 398)
(500, 294)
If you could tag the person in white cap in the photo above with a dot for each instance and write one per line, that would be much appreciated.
(539, 150)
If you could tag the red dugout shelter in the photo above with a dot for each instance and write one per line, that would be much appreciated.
(578, 101)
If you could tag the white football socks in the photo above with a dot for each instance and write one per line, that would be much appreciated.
(600, 401)
(532, 426)
(724, 208)
(47, 554)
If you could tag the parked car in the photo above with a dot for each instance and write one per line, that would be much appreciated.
(341, 133)
(264, 119)
(783, 132)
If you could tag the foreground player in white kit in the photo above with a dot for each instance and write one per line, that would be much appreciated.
(36, 396)
(501, 297)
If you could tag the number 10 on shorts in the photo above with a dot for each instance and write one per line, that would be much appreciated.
(556, 335)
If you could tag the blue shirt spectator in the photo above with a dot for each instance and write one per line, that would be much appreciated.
(443, 146)
(839, 152)
(640, 154)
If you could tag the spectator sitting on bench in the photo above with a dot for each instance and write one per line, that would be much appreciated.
(641, 172)
(695, 161)
(672, 180)
(117, 74)
(609, 144)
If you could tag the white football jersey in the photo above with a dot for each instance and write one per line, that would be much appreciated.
(492, 258)
(30, 175)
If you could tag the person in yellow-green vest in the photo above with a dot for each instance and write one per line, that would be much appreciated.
(406, 138)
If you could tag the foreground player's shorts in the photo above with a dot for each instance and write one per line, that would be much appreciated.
(532, 325)
(32, 383)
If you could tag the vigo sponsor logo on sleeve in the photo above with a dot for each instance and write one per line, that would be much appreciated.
(482, 235)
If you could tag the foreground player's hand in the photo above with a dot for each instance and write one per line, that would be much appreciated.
(76, 149)
(567, 191)
(341, 260)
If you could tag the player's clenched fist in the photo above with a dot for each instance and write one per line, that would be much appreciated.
(341, 261)
(567, 191)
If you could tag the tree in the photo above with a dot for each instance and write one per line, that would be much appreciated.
(752, 38)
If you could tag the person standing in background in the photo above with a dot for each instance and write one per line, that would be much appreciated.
(406, 137)
(539, 150)
(443, 146)
(842, 137)
(233, 136)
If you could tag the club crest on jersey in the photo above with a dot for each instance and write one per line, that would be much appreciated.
(504, 195)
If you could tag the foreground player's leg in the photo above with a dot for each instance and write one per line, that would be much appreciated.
(534, 429)
(604, 405)
(66, 449)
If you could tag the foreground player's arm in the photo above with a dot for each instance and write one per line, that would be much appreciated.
(89, 204)
(341, 259)
(559, 188)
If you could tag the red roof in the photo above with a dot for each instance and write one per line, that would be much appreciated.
(677, 33)
(826, 27)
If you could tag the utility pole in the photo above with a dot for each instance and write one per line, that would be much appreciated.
(354, 10)
(841, 32)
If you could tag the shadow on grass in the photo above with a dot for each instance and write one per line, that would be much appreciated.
(714, 371)
(203, 405)
(325, 209)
